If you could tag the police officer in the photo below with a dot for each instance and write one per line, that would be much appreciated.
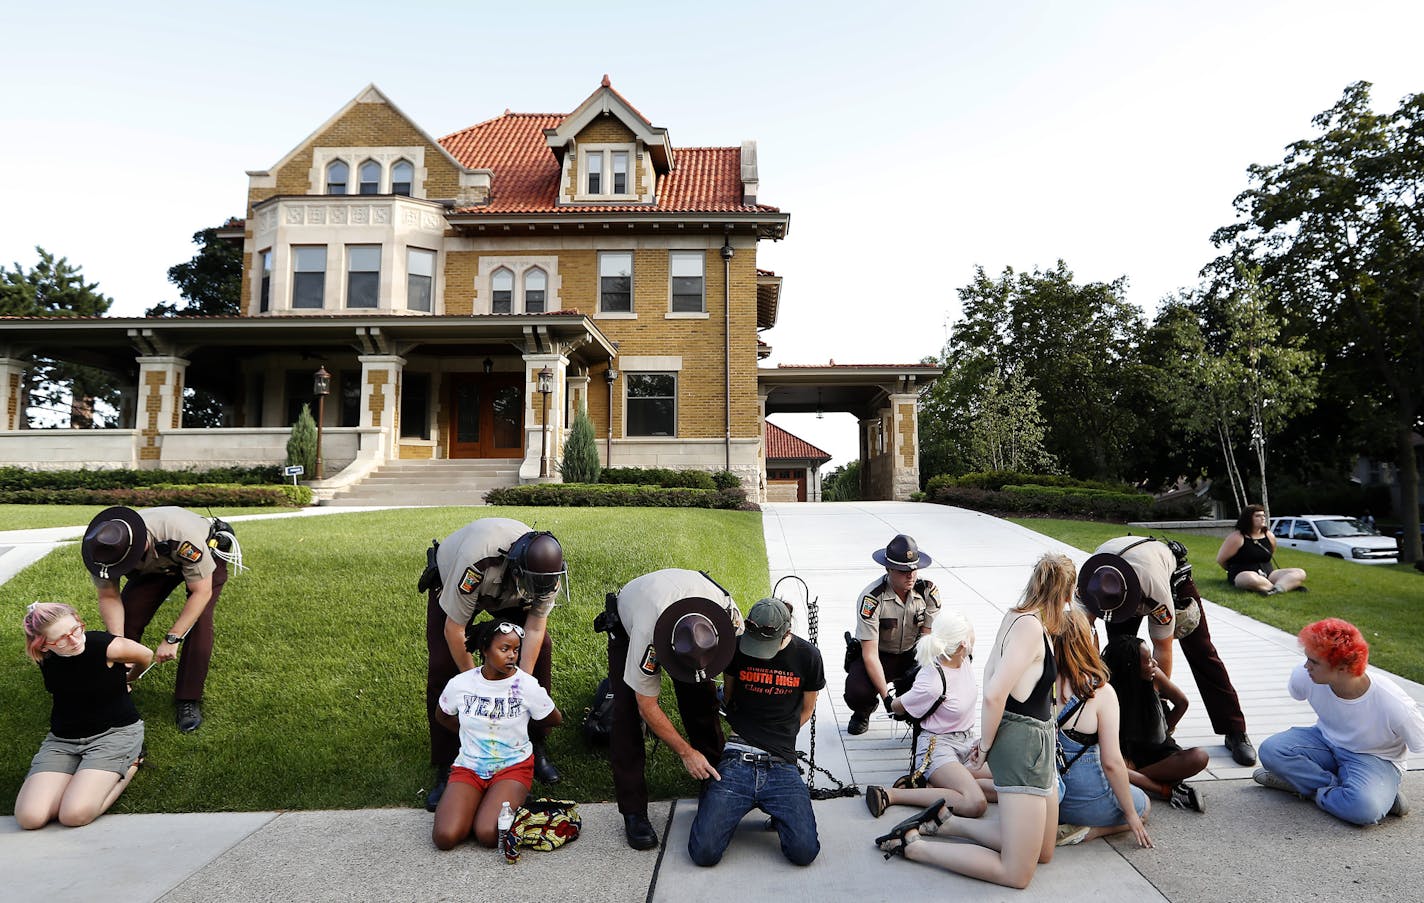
(892, 615)
(156, 550)
(1130, 578)
(497, 565)
(681, 622)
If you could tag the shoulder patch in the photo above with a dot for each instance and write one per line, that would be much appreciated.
(868, 606)
(1162, 614)
(189, 552)
(470, 580)
(649, 665)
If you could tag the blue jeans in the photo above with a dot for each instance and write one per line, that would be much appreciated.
(1356, 787)
(1088, 798)
(774, 788)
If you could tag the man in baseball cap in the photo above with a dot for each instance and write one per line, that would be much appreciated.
(770, 689)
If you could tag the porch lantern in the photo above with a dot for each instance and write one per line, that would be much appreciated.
(489, 366)
(611, 376)
(321, 387)
(546, 385)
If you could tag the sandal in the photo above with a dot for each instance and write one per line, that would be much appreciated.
(930, 816)
(1185, 796)
(876, 799)
(142, 757)
(895, 845)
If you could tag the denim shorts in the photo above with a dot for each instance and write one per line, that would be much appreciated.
(113, 750)
(1088, 798)
(1022, 758)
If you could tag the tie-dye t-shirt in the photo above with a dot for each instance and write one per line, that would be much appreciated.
(494, 718)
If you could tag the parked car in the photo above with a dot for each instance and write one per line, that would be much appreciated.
(1335, 536)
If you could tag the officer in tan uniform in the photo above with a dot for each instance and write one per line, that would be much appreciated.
(498, 565)
(892, 614)
(156, 550)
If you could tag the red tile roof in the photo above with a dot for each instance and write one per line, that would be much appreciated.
(781, 444)
(526, 172)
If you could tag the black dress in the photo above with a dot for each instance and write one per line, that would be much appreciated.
(1254, 555)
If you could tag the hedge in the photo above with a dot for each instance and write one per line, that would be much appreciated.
(659, 476)
(587, 495)
(1054, 502)
(280, 495)
(998, 479)
(124, 478)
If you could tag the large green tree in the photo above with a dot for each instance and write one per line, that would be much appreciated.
(56, 288)
(1337, 229)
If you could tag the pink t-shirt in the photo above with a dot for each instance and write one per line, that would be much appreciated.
(960, 701)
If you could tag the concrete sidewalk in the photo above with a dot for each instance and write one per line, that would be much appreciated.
(1251, 844)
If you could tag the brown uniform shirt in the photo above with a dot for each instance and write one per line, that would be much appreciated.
(896, 625)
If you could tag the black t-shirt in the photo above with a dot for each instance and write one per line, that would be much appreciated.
(90, 697)
(765, 706)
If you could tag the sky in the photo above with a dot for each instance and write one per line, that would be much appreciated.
(910, 144)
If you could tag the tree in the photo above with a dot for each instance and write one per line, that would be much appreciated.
(56, 288)
(842, 484)
(1337, 228)
(1007, 430)
(301, 445)
(580, 464)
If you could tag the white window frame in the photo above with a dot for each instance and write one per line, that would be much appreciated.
(632, 311)
(524, 290)
(410, 256)
(350, 273)
(508, 272)
(325, 268)
(604, 153)
(361, 181)
(264, 281)
(687, 255)
(326, 177)
(410, 184)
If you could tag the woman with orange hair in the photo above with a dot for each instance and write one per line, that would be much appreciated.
(1351, 760)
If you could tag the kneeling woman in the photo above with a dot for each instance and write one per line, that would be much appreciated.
(491, 707)
(1098, 797)
(95, 741)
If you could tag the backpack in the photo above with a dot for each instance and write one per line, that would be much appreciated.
(598, 718)
(546, 824)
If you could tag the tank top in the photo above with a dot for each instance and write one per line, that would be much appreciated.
(1254, 555)
(1038, 705)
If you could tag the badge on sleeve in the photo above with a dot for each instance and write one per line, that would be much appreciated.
(470, 580)
(189, 552)
(867, 608)
(649, 664)
(1162, 614)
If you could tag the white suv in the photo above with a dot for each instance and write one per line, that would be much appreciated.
(1336, 537)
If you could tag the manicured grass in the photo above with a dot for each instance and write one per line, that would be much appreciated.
(34, 517)
(316, 696)
(1385, 602)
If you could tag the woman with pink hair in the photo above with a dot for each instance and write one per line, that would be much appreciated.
(95, 740)
(1351, 760)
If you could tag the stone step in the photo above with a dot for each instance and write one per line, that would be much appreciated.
(423, 499)
(431, 482)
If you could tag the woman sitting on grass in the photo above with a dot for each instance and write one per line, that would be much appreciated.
(1157, 763)
(95, 740)
(1248, 552)
(1098, 799)
(946, 738)
(490, 707)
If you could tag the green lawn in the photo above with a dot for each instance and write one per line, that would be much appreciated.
(33, 517)
(316, 695)
(1385, 602)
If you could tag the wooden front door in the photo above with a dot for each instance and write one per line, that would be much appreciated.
(486, 415)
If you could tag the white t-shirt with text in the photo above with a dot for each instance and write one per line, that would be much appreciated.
(494, 718)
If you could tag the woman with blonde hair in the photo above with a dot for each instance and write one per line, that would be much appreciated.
(943, 701)
(1017, 742)
(1098, 797)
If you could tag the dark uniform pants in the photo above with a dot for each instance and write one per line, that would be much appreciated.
(1213, 683)
(445, 743)
(143, 594)
(696, 703)
(860, 693)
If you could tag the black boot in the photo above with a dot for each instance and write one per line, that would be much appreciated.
(544, 770)
(432, 799)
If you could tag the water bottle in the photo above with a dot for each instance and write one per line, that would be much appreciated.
(506, 844)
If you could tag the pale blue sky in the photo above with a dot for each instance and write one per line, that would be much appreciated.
(908, 142)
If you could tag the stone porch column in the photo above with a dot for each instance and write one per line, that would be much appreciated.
(12, 376)
(380, 399)
(534, 435)
(903, 446)
(578, 397)
(160, 403)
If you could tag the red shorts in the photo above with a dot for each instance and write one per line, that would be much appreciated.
(523, 773)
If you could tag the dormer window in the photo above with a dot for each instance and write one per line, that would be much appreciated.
(337, 174)
(370, 177)
(502, 292)
(607, 172)
(402, 175)
(620, 172)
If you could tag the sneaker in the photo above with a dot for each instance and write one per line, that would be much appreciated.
(1272, 780)
(189, 715)
(1241, 749)
(1401, 805)
(859, 724)
(1185, 796)
(1068, 835)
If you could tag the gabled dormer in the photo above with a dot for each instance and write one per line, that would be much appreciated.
(609, 154)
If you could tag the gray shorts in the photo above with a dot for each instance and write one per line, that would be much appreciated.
(954, 746)
(113, 750)
(1022, 757)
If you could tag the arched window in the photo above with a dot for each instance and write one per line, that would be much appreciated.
(337, 174)
(535, 283)
(502, 291)
(370, 177)
(402, 175)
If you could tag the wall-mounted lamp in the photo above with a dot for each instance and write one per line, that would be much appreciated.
(611, 376)
(489, 366)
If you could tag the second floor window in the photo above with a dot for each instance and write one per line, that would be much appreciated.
(595, 173)
(264, 298)
(337, 174)
(402, 175)
(502, 292)
(535, 283)
(685, 271)
(420, 280)
(615, 281)
(363, 276)
(370, 177)
(309, 277)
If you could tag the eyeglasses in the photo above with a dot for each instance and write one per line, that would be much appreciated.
(506, 627)
(70, 637)
(765, 631)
